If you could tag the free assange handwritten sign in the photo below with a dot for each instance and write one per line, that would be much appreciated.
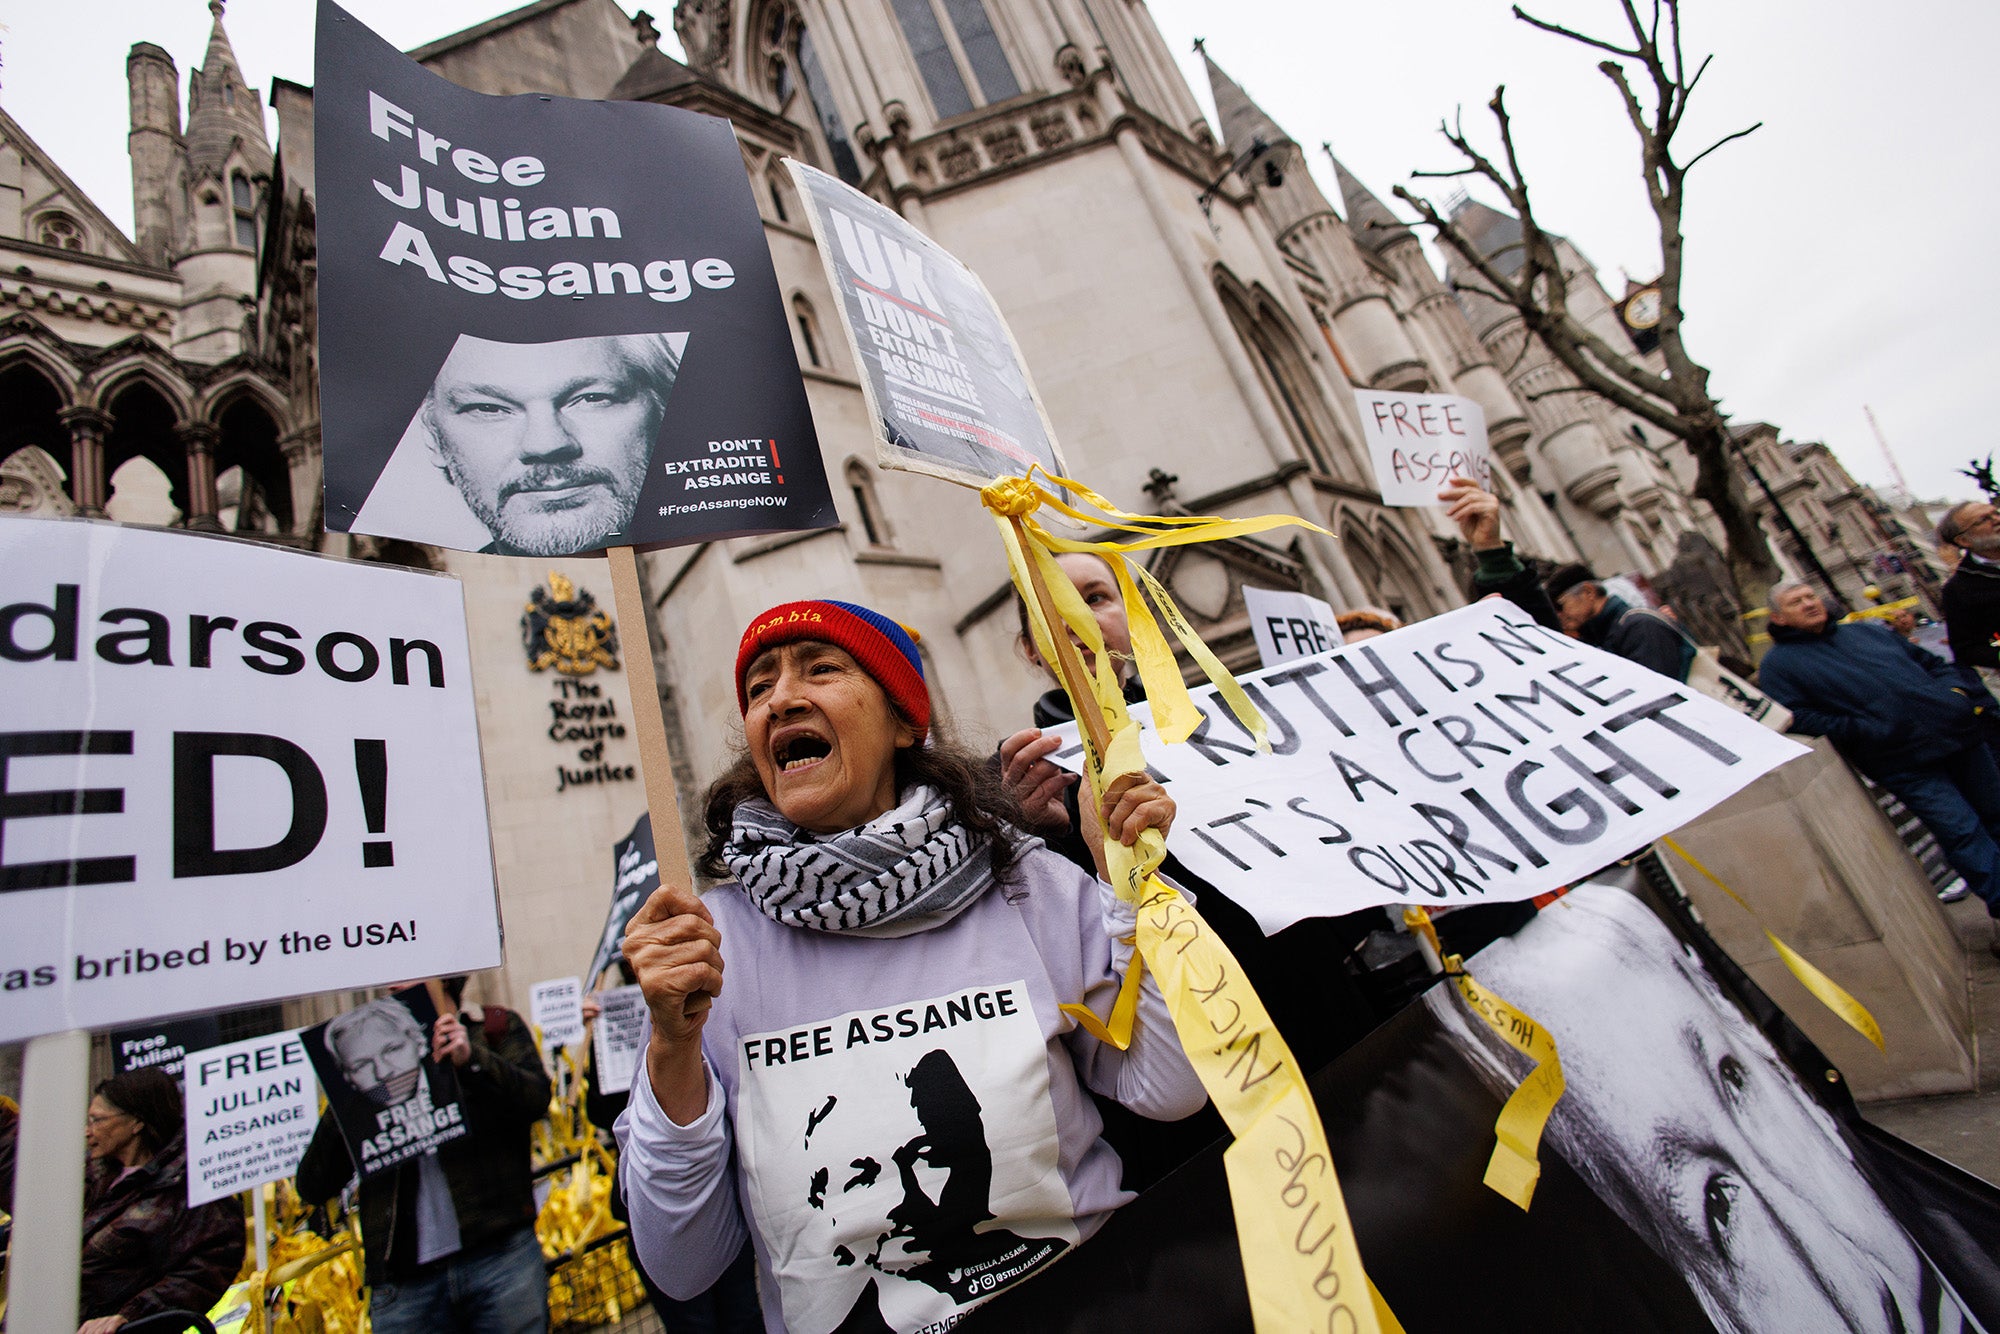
(1476, 757)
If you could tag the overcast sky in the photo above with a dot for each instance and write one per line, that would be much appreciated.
(1827, 253)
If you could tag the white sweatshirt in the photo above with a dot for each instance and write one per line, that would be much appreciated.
(908, 1129)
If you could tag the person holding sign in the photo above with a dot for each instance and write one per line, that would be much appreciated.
(144, 1250)
(889, 1094)
(448, 1234)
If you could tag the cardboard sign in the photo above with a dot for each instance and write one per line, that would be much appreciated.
(1289, 625)
(637, 876)
(391, 1101)
(252, 1107)
(164, 1045)
(589, 346)
(232, 773)
(948, 393)
(556, 1007)
(1421, 441)
(620, 1038)
(1475, 757)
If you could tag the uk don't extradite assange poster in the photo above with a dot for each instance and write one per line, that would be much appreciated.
(389, 1099)
(546, 326)
(229, 773)
(947, 390)
(1476, 757)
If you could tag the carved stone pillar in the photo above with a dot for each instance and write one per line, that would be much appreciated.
(302, 462)
(87, 427)
(198, 441)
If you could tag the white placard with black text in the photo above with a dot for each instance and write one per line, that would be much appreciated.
(1421, 441)
(1289, 625)
(232, 773)
(1476, 757)
(557, 1009)
(252, 1107)
(620, 1041)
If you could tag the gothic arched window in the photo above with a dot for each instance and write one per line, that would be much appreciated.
(61, 231)
(790, 60)
(244, 205)
(861, 485)
(1282, 367)
(808, 327)
(957, 52)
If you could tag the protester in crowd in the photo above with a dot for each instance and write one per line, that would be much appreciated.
(145, 1251)
(887, 1096)
(1971, 597)
(1904, 622)
(1682, 1119)
(730, 1304)
(449, 1237)
(1477, 513)
(1904, 717)
(1643, 636)
(1359, 624)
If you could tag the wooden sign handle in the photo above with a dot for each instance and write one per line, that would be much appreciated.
(1069, 663)
(656, 757)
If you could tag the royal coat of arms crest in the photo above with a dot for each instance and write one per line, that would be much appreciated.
(564, 628)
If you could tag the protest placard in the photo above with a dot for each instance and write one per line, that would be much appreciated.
(947, 391)
(1289, 625)
(391, 1101)
(1421, 441)
(233, 773)
(556, 1007)
(586, 354)
(1476, 757)
(620, 1037)
(636, 876)
(163, 1045)
(252, 1107)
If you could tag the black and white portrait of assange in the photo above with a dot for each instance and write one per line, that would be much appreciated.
(1683, 1119)
(528, 449)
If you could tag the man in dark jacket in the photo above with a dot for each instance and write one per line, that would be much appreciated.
(1602, 621)
(1900, 715)
(449, 1237)
(1500, 571)
(1972, 595)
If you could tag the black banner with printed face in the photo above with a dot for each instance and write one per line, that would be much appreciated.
(1691, 1179)
(164, 1045)
(637, 876)
(547, 326)
(391, 1101)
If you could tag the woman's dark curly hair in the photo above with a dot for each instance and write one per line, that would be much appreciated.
(971, 787)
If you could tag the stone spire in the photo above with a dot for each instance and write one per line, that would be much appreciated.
(221, 106)
(1243, 121)
(1373, 225)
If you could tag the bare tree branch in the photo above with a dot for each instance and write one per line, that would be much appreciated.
(1717, 144)
(1444, 175)
(1572, 34)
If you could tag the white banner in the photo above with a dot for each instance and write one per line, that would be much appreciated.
(557, 1009)
(252, 1107)
(1289, 625)
(1421, 441)
(620, 1039)
(229, 773)
(1475, 757)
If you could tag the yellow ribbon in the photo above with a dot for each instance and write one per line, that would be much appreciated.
(1300, 1261)
(1174, 714)
(1823, 988)
(1515, 1167)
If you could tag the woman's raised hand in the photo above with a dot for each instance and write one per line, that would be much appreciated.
(1133, 804)
(1034, 781)
(676, 953)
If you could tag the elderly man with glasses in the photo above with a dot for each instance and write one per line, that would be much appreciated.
(1972, 594)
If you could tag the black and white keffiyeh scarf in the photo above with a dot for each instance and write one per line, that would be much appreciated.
(905, 871)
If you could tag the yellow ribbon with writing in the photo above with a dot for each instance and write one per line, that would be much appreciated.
(1515, 1167)
(1823, 988)
(1300, 1261)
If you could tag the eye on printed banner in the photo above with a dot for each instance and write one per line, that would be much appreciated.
(1289, 625)
(556, 1006)
(1475, 757)
(589, 350)
(1421, 441)
(619, 1040)
(229, 773)
(947, 390)
(637, 876)
(390, 1100)
(252, 1107)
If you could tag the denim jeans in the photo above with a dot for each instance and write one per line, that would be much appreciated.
(500, 1288)
(1959, 802)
